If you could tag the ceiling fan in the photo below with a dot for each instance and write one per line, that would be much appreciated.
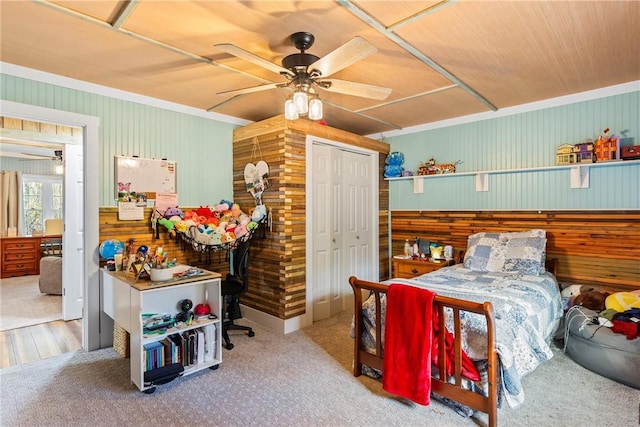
(305, 71)
(57, 156)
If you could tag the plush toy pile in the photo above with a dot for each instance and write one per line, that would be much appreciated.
(215, 225)
(619, 311)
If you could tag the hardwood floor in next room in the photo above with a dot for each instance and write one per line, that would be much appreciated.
(39, 342)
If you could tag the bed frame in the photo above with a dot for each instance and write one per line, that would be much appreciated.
(455, 390)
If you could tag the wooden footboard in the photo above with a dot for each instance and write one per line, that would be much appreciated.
(455, 390)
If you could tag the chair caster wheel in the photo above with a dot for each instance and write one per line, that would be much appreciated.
(229, 346)
(149, 390)
(251, 333)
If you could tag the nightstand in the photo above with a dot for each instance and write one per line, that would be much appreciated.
(408, 268)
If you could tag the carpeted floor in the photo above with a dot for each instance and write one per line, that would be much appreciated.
(301, 379)
(22, 304)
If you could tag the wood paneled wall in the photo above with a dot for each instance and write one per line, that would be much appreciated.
(277, 283)
(595, 248)
(110, 227)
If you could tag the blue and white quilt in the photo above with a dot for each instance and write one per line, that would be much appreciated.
(527, 311)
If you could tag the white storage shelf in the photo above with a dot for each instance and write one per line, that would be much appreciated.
(126, 303)
(579, 174)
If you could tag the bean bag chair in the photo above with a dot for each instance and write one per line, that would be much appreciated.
(601, 350)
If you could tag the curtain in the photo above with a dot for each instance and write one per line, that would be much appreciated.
(10, 199)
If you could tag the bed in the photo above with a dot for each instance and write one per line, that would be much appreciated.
(502, 306)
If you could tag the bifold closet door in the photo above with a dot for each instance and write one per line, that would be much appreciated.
(342, 226)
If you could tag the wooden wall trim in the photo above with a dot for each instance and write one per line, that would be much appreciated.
(599, 248)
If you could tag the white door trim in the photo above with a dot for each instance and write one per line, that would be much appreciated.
(310, 201)
(91, 279)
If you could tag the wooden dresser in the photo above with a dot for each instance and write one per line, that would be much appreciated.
(20, 256)
(408, 268)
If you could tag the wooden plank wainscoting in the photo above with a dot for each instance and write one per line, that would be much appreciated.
(595, 248)
(110, 227)
(277, 284)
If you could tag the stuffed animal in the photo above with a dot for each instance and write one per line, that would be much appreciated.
(393, 167)
(623, 301)
(570, 293)
(592, 300)
(169, 225)
(204, 211)
(173, 211)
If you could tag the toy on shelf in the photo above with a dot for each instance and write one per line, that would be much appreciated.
(582, 152)
(393, 165)
(431, 168)
(607, 148)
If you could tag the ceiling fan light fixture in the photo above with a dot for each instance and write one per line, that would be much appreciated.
(290, 111)
(301, 101)
(315, 109)
(59, 169)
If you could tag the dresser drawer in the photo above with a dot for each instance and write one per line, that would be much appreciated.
(19, 268)
(19, 256)
(24, 246)
(409, 268)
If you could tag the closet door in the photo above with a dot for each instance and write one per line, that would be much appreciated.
(342, 220)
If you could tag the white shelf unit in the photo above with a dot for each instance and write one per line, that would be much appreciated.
(579, 174)
(126, 304)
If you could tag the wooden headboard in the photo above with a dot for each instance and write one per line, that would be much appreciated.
(594, 248)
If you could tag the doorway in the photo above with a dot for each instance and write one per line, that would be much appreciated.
(83, 159)
(342, 223)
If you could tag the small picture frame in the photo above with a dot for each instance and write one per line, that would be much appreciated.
(423, 247)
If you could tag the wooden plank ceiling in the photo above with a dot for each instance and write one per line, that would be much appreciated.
(441, 59)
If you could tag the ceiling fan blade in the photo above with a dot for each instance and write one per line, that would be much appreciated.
(252, 89)
(356, 89)
(349, 53)
(248, 56)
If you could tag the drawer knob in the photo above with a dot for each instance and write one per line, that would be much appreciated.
(414, 271)
(19, 255)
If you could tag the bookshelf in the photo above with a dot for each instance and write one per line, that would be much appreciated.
(126, 300)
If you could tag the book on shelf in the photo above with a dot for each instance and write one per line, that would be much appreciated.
(210, 342)
(200, 347)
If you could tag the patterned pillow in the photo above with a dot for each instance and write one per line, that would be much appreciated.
(522, 252)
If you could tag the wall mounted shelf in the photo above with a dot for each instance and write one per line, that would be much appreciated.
(579, 174)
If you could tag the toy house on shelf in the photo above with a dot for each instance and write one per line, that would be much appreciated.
(607, 148)
(583, 152)
(565, 154)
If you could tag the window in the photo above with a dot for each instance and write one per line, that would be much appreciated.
(41, 199)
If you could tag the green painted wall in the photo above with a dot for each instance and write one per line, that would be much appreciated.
(202, 147)
(203, 150)
(520, 141)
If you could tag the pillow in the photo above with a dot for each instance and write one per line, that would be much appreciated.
(522, 252)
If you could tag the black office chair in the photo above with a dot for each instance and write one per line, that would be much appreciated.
(233, 286)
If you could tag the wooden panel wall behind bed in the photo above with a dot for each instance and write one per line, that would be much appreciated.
(596, 248)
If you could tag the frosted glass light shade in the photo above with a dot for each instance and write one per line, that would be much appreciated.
(59, 169)
(290, 111)
(301, 100)
(315, 109)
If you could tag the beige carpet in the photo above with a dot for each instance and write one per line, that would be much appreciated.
(270, 380)
(22, 304)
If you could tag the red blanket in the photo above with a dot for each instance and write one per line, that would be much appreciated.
(406, 365)
(411, 346)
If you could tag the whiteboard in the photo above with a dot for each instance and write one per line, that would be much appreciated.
(135, 174)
